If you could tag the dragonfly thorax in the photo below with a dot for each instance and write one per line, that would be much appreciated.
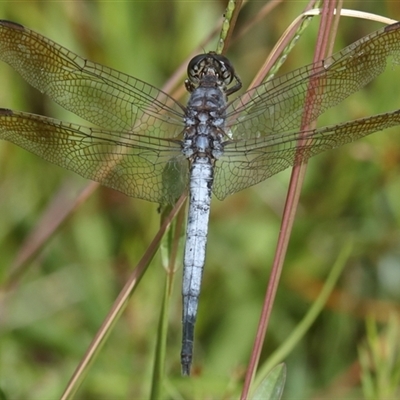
(205, 120)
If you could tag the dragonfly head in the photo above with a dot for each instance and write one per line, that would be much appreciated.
(211, 64)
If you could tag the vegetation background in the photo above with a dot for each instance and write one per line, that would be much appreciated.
(55, 307)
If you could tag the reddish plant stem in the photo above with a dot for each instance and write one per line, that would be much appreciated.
(292, 199)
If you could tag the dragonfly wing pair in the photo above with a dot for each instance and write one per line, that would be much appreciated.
(263, 123)
(135, 151)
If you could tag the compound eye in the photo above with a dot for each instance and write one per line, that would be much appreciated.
(225, 70)
(195, 67)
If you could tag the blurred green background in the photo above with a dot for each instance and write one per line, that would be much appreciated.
(60, 300)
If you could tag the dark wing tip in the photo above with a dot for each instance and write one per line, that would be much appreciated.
(6, 111)
(392, 27)
(11, 24)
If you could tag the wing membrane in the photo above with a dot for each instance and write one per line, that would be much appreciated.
(140, 166)
(246, 163)
(101, 95)
(279, 105)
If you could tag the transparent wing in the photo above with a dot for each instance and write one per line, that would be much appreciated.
(245, 163)
(278, 106)
(101, 95)
(140, 166)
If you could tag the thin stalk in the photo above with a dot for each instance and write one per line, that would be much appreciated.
(118, 306)
(292, 199)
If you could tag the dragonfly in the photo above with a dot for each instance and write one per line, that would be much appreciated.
(150, 146)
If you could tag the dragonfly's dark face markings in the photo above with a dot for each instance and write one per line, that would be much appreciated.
(210, 64)
(215, 65)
